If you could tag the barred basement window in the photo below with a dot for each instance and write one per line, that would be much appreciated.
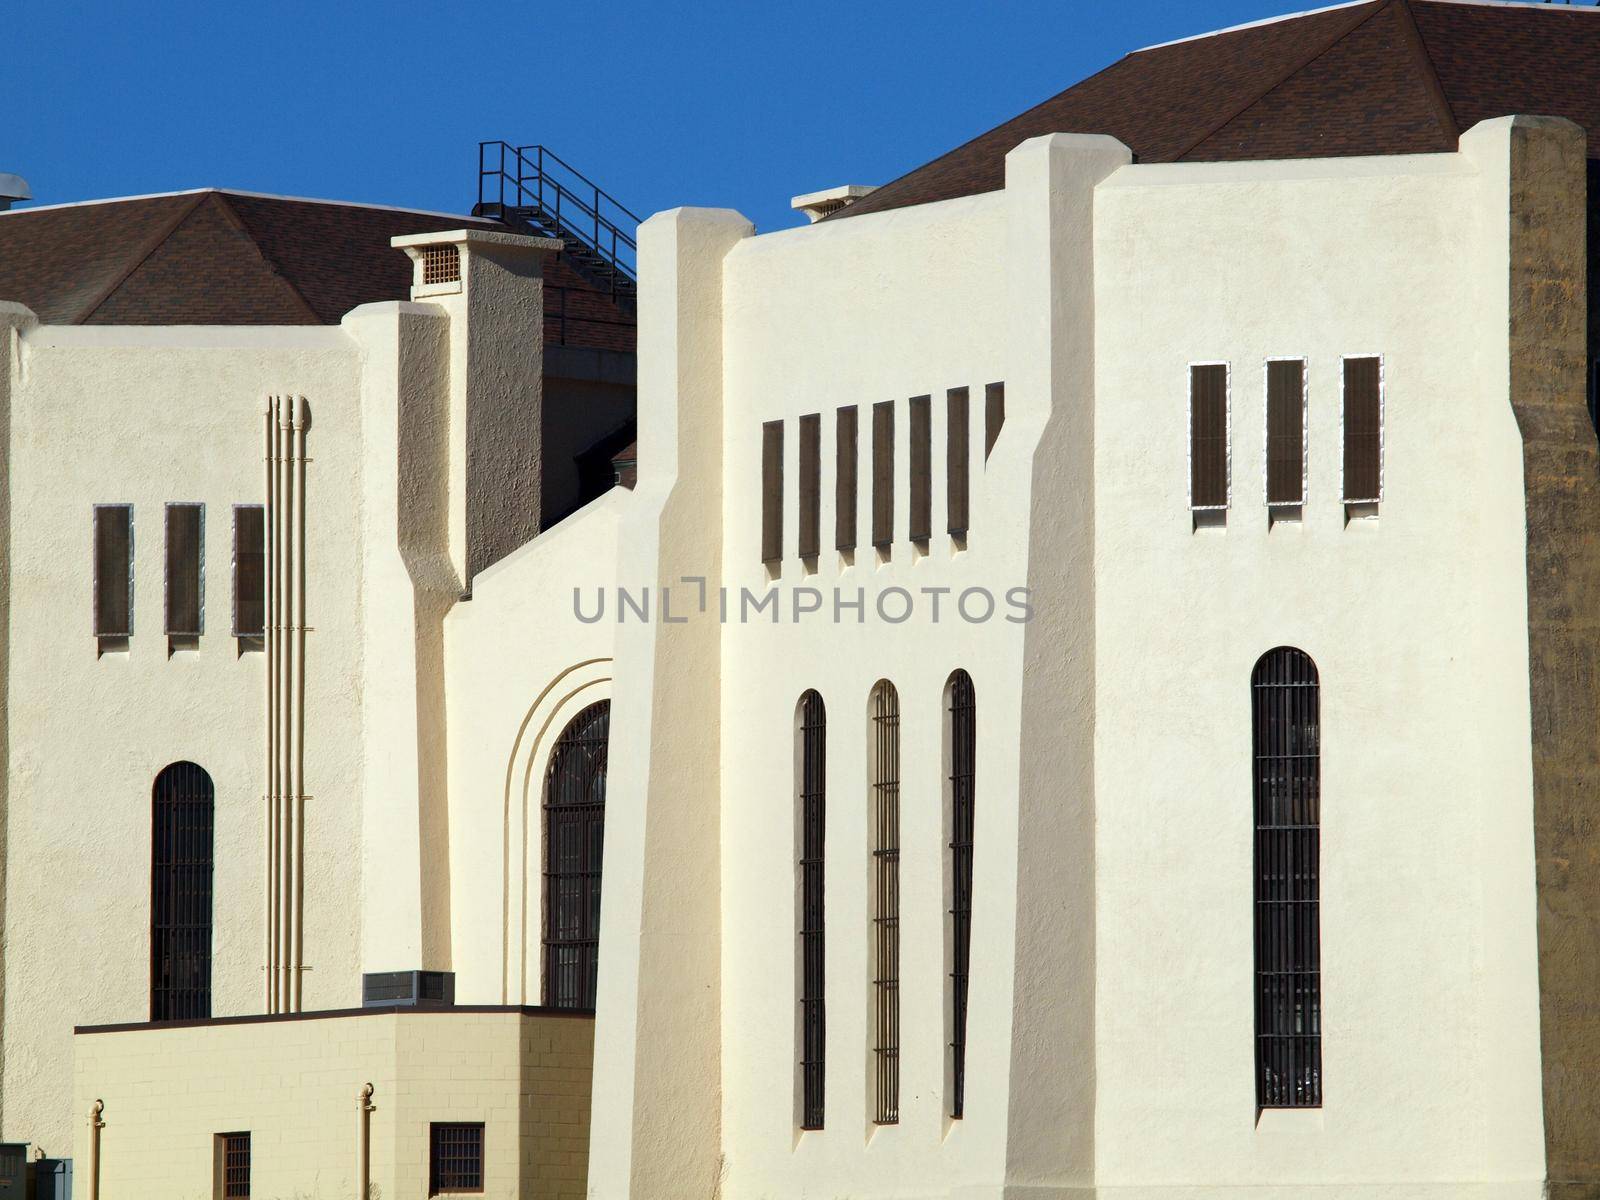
(885, 932)
(883, 474)
(813, 753)
(1288, 953)
(1286, 432)
(963, 708)
(233, 1166)
(994, 416)
(113, 575)
(921, 468)
(844, 483)
(441, 264)
(249, 575)
(810, 485)
(1209, 443)
(1363, 431)
(957, 465)
(185, 575)
(574, 839)
(455, 1157)
(183, 801)
(771, 491)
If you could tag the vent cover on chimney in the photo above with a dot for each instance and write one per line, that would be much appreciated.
(408, 989)
(441, 264)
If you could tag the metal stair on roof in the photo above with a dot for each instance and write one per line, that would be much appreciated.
(533, 188)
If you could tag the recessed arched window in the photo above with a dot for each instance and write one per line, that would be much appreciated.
(812, 827)
(182, 823)
(574, 837)
(1286, 721)
(961, 751)
(884, 822)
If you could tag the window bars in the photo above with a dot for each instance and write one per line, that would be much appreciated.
(813, 821)
(1287, 785)
(180, 894)
(963, 773)
(441, 264)
(455, 1158)
(235, 1166)
(885, 817)
(574, 814)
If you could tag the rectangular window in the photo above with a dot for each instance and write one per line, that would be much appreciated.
(1286, 431)
(233, 1166)
(994, 415)
(1363, 430)
(883, 473)
(455, 1158)
(185, 571)
(885, 819)
(813, 953)
(771, 491)
(956, 461)
(921, 468)
(249, 571)
(844, 483)
(113, 574)
(810, 484)
(1208, 436)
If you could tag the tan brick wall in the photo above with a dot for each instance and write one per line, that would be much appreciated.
(293, 1084)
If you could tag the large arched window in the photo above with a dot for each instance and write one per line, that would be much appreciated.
(960, 748)
(1287, 784)
(884, 820)
(811, 838)
(574, 836)
(182, 820)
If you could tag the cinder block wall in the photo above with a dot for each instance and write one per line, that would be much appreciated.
(294, 1084)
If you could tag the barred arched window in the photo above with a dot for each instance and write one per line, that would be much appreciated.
(182, 819)
(574, 837)
(1287, 784)
(813, 760)
(961, 746)
(884, 821)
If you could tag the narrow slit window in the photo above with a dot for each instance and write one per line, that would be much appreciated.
(810, 485)
(233, 1166)
(1208, 436)
(963, 711)
(885, 905)
(185, 570)
(994, 416)
(957, 464)
(883, 473)
(844, 484)
(1363, 430)
(772, 491)
(1288, 946)
(249, 572)
(183, 804)
(455, 1158)
(1286, 431)
(574, 853)
(813, 828)
(921, 468)
(113, 573)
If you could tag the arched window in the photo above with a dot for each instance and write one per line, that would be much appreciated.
(961, 750)
(182, 818)
(574, 836)
(1287, 785)
(885, 826)
(813, 759)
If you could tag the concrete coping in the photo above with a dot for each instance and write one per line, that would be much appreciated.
(331, 1014)
(478, 237)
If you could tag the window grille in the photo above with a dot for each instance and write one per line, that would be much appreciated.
(235, 1149)
(994, 416)
(883, 473)
(963, 777)
(1363, 430)
(113, 570)
(1286, 431)
(1287, 785)
(185, 570)
(957, 467)
(455, 1158)
(810, 485)
(921, 408)
(886, 901)
(1209, 448)
(771, 491)
(249, 571)
(575, 816)
(441, 264)
(844, 484)
(813, 824)
(180, 894)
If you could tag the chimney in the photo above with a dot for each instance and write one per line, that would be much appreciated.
(12, 188)
(817, 205)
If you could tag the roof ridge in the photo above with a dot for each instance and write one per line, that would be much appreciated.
(1365, 12)
(237, 220)
(1430, 73)
(155, 243)
(249, 195)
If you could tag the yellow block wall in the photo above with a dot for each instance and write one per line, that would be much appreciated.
(293, 1084)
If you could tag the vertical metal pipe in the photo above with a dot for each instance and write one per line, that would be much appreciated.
(297, 699)
(269, 711)
(285, 583)
(364, 1107)
(95, 1126)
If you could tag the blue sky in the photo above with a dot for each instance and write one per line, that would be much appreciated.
(711, 103)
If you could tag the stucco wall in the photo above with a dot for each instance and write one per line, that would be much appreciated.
(293, 1085)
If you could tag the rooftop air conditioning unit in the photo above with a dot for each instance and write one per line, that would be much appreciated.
(408, 989)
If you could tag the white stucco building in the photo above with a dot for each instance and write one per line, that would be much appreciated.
(1093, 691)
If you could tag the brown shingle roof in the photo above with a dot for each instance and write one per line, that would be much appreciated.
(217, 257)
(1382, 77)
